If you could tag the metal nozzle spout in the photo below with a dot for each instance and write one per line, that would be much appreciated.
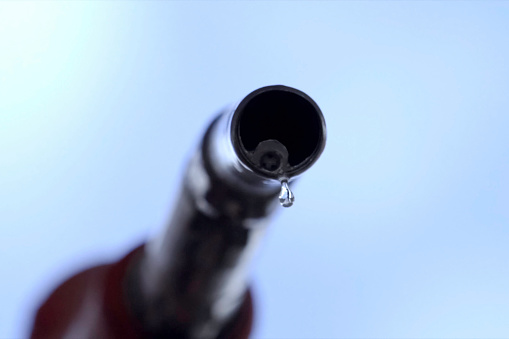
(278, 132)
(192, 279)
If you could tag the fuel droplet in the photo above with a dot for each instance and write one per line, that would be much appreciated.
(286, 197)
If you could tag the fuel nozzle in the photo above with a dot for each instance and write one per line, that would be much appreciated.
(278, 132)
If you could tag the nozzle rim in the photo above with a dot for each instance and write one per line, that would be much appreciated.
(241, 152)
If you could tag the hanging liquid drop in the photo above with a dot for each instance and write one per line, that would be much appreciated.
(286, 197)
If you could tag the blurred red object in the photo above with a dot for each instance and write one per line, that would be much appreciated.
(91, 304)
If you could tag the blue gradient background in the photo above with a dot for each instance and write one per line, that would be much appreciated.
(401, 228)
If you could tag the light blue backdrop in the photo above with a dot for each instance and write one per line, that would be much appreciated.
(400, 230)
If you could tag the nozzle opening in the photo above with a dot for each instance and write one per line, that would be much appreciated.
(285, 115)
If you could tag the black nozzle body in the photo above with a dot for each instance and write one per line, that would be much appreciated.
(192, 279)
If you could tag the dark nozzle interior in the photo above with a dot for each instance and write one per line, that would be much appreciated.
(286, 115)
